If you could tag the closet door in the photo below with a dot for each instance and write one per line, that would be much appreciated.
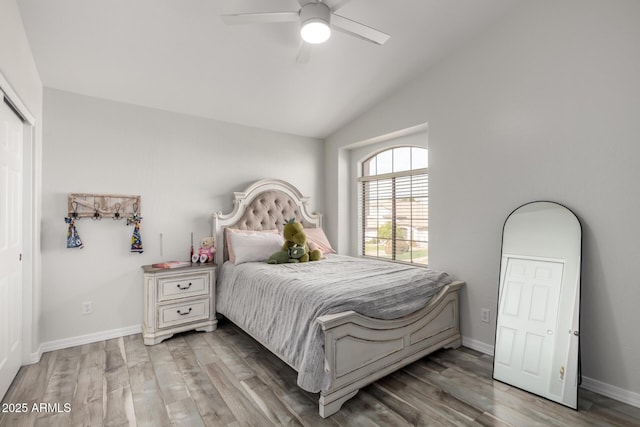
(11, 165)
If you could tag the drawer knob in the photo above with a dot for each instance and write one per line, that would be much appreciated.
(182, 288)
(185, 313)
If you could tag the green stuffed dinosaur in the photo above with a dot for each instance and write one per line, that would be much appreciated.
(294, 237)
(290, 255)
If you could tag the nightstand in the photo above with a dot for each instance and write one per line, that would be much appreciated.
(177, 300)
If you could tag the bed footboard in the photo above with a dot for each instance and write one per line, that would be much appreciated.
(360, 349)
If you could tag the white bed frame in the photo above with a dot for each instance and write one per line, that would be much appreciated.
(358, 349)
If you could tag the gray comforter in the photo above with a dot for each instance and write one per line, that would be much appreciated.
(278, 304)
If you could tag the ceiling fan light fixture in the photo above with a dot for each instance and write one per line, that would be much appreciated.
(315, 32)
(315, 18)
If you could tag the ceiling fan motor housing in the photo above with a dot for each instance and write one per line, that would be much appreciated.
(315, 12)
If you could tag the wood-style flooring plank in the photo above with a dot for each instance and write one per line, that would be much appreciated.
(281, 379)
(181, 408)
(224, 379)
(365, 410)
(482, 393)
(243, 345)
(417, 409)
(60, 389)
(608, 411)
(278, 375)
(265, 399)
(148, 405)
(306, 406)
(229, 359)
(87, 400)
(29, 388)
(246, 413)
(118, 409)
(212, 409)
(434, 398)
(467, 389)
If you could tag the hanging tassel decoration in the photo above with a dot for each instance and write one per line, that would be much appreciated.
(73, 238)
(136, 240)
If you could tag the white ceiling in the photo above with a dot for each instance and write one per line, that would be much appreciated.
(177, 55)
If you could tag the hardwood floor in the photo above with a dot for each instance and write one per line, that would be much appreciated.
(224, 378)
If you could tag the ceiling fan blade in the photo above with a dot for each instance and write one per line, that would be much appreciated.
(357, 29)
(335, 4)
(259, 18)
(304, 52)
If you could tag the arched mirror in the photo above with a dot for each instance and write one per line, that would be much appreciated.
(537, 328)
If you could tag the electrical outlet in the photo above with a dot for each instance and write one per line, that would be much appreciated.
(485, 315)
(87, 307)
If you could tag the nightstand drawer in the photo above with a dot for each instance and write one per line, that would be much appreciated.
(182, 287)
(186, 312)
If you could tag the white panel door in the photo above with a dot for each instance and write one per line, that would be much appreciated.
(11, 164)
(527, 314)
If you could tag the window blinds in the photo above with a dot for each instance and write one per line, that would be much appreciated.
(395, 215)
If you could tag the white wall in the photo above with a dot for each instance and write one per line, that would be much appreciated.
(185, 168)
(543, 105)
(19, 70)
(16, 61)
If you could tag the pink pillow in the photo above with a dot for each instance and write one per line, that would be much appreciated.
(230, 231)
(317, 238)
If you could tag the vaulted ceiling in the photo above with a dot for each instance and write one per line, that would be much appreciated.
(178, 55)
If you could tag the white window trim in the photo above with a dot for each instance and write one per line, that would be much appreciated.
(360, 202)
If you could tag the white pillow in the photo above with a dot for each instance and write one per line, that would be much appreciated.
(229, 231)
(255, 247)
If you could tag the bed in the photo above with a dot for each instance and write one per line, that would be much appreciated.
(344, 337)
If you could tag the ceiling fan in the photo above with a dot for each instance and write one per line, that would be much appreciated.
(317, 18)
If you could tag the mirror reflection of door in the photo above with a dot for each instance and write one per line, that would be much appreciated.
(537, 326)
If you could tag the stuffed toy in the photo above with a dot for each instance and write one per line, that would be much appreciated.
(294, 235)
(290, 255)
(207, 249)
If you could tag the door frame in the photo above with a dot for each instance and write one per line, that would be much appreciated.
(31, 191)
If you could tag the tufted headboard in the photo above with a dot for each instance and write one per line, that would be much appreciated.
(264, 205)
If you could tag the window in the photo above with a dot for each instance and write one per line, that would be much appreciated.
(394, 189)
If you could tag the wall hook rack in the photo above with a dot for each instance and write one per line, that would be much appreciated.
(97, 206)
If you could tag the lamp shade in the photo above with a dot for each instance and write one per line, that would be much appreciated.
(314, 19)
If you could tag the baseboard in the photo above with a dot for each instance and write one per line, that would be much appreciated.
(89, 338)
(34, 357)
(608, 390)
(477, 345)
